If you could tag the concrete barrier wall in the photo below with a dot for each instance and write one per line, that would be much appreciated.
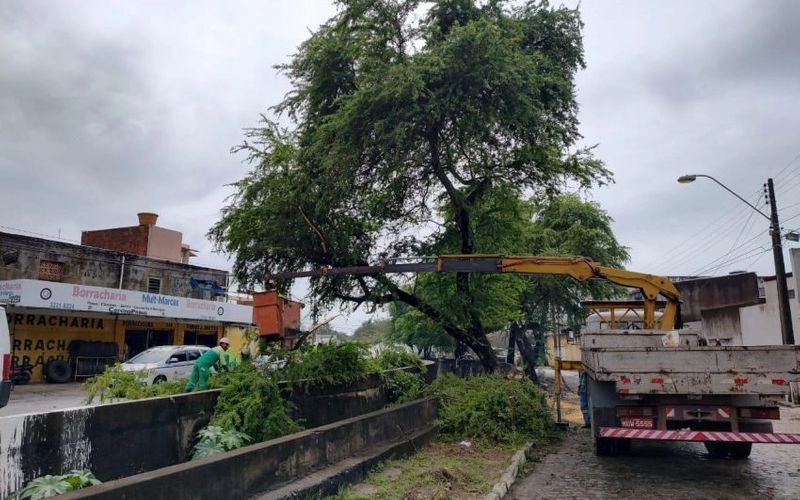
(113, 440)
(120, 439)
(323, 405)
(256, 468)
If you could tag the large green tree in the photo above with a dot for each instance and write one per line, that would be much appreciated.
(568, 226)
(405, 118)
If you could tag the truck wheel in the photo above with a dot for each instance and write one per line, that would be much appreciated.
(603, 447)
(159, 379)
(741, 450)
(623, 446)
(717, 450)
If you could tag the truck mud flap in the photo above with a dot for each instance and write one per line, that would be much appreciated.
(700, 436)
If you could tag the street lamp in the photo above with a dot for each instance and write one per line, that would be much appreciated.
(787, 332)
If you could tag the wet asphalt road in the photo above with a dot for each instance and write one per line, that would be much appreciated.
(666, 470)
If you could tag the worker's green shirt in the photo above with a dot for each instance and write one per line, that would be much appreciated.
(213, 357)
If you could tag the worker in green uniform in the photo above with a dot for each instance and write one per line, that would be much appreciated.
(211, 358)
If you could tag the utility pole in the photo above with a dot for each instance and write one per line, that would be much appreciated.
(787, 331)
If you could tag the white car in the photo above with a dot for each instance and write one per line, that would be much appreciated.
(165, 363)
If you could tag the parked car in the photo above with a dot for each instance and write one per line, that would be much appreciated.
(5, 359)
(165, 363)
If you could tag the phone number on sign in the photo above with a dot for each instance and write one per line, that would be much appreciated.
(60, 305)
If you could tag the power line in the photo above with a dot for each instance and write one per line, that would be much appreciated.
(744, 256)
(753, 263)
(683, 242)
(709, 239)
(742, 246)
(776, 176)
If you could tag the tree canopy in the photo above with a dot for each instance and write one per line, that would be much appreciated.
(414, 130)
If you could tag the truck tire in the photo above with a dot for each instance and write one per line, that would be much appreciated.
(57, 371)
(740, 451)
(604, 447)
(716, 449)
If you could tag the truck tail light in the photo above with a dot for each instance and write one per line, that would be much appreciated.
(771, 413)
(6, 366)
(635, 411)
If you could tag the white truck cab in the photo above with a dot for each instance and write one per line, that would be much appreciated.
(5, 359)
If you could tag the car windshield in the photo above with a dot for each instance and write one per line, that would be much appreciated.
(152, 356)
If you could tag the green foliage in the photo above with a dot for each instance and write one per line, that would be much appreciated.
(399, 120)
(251, 402)
(493, 408)
(391, 357)
(403, 386)
(213, 440)
(48, 486)
(403, 374)
(326, 364)
(116, 383)
(568, 226)
(414, 329)
(373, 331)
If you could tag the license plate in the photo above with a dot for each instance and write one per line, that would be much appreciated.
(636, 422)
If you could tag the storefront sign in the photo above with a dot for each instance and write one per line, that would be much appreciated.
(69, 297)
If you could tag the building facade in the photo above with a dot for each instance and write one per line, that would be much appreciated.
(57, 293)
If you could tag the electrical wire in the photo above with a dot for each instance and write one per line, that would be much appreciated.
(737, 258)
(708, 241)
(745, 245)
(671, 251)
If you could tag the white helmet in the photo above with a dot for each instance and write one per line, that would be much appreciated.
(225, 340)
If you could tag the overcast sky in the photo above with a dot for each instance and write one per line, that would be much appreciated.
(112, 108)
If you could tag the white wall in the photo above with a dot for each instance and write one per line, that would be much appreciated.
(761, 324)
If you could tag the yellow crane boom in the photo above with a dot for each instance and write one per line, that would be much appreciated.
(578, 268)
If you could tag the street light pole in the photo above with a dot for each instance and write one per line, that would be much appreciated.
(787, 330)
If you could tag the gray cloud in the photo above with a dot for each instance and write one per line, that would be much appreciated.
(107, 109)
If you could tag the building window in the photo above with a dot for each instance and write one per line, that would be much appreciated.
(51, 270)
(791, 294)
(153, 285)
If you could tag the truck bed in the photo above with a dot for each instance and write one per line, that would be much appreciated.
(637, 363)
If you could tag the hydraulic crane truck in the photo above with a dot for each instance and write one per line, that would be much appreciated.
(656, 383)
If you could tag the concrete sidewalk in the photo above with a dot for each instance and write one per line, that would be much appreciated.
(39, 398)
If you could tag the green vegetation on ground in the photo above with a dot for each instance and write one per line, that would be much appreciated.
(49, 486)
(446, 470)
(482, 421)
(116, 383)
(492, 408)
(325, 364)
(213, 440)
(250, 405)
(250, 402)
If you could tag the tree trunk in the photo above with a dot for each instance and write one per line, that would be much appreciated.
(475, 339)
(529, 353)
(483, 349)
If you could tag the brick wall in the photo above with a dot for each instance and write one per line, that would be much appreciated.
(122, 239)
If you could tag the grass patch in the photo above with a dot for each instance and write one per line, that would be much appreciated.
(441, 470)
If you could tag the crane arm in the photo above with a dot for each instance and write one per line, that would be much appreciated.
(578, 268)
